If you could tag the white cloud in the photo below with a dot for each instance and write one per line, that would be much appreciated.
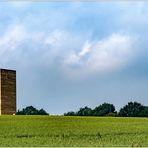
(12, 38)
(19, 44)
(100, 56)
(54, 37)
(86, 48)
(62, 47)
(73, 58)
(13, 33)
(110, 53)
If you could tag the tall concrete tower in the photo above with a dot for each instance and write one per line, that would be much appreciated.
(7, 92)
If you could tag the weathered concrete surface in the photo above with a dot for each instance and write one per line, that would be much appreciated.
(7, 92)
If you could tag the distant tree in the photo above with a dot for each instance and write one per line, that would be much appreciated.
(19, 112)
(70, 114)
(132, 109)
(144, 112)
(103, 110)
(86, 111)
(30, 110)
(42, 112)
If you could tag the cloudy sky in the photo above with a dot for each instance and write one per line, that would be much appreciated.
(71, 54)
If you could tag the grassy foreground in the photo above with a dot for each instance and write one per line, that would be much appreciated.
(72, 131)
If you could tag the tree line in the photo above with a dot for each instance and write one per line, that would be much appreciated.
(30, 110)
(132, 109)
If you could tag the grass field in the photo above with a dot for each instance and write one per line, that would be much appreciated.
(72, 131)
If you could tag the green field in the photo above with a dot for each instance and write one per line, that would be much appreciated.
(72, 131)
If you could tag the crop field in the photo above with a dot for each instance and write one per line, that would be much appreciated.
(72, 131)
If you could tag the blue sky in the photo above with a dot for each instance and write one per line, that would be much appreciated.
(71, 54)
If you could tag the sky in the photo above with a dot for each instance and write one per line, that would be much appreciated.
(70, 54)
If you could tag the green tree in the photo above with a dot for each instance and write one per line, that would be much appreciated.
(30, 110)
(86, 111)
(144, 112)
(103, 109)
(132, 109)
(70, 114)
(42, 112)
